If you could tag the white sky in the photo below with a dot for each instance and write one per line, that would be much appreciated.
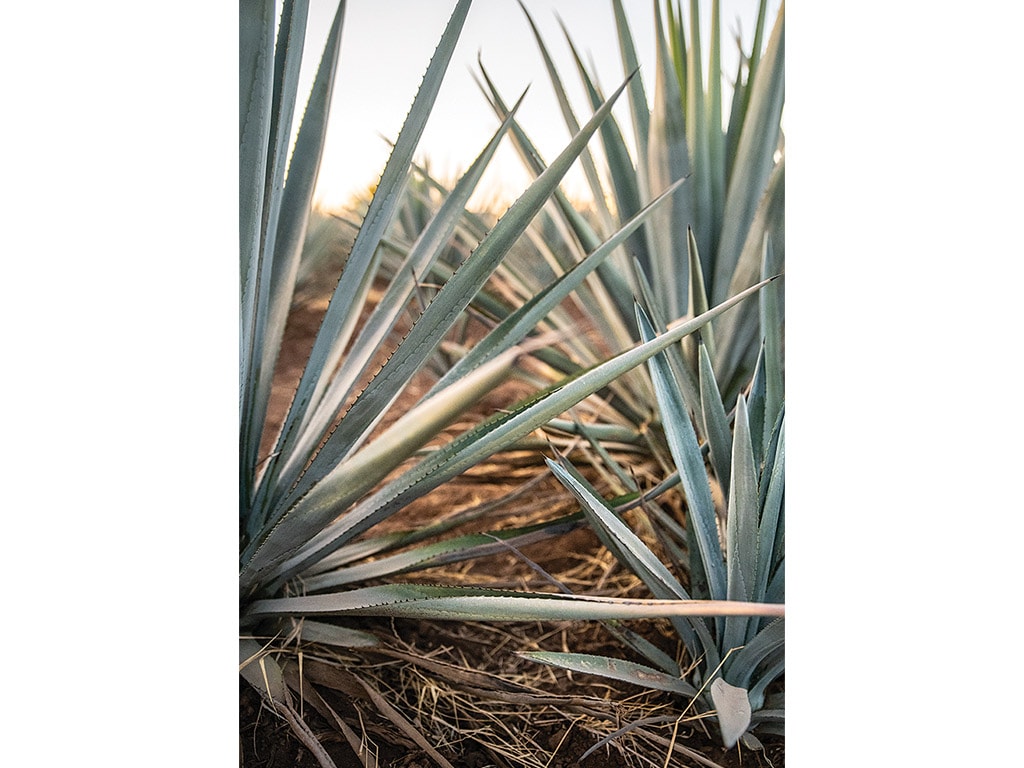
(387, 44)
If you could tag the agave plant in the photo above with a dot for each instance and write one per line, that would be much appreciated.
(734, 659)
(731, 211)
(350, 452)
(732, 158)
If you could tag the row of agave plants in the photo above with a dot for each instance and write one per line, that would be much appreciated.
(676, 273)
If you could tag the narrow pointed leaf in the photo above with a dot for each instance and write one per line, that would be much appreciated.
(638, 109)
(686, 453)
(611, 293)
(620, 166)
(645, 648)
(771, 302)
(634, 554)
(615, 669)
(478, 604)
(625, 544)
(255, 93)
(255, 97)
(686, 377)
(697, 140)
(716, 139)
(741, 526)
(755, 409)
(754, 158)
(715, 422)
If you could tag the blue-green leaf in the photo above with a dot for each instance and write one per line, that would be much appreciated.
(443, 603)
(686, 452)
(741, 526)
(615, 669)
(715, 421)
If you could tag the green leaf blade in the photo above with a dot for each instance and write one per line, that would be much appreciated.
(614, 669)
(687, 455)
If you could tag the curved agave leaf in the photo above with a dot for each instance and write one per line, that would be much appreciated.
(255, 94)
(740, 666)
(615, 669)
(715, 421)
(478, 604)
(741, 527)
(766, 676)
(645, 648)
(686, 453)
(256, 118)
(635, 555)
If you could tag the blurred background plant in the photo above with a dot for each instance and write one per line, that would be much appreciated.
(394, 365)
